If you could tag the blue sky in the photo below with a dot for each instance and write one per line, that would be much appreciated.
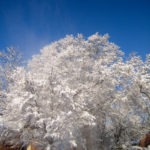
(31, 24)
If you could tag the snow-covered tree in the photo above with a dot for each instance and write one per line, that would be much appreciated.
(77, 86)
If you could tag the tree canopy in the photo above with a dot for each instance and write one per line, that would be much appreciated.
(76, 85)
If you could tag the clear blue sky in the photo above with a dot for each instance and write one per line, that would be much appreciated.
(31, 24)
